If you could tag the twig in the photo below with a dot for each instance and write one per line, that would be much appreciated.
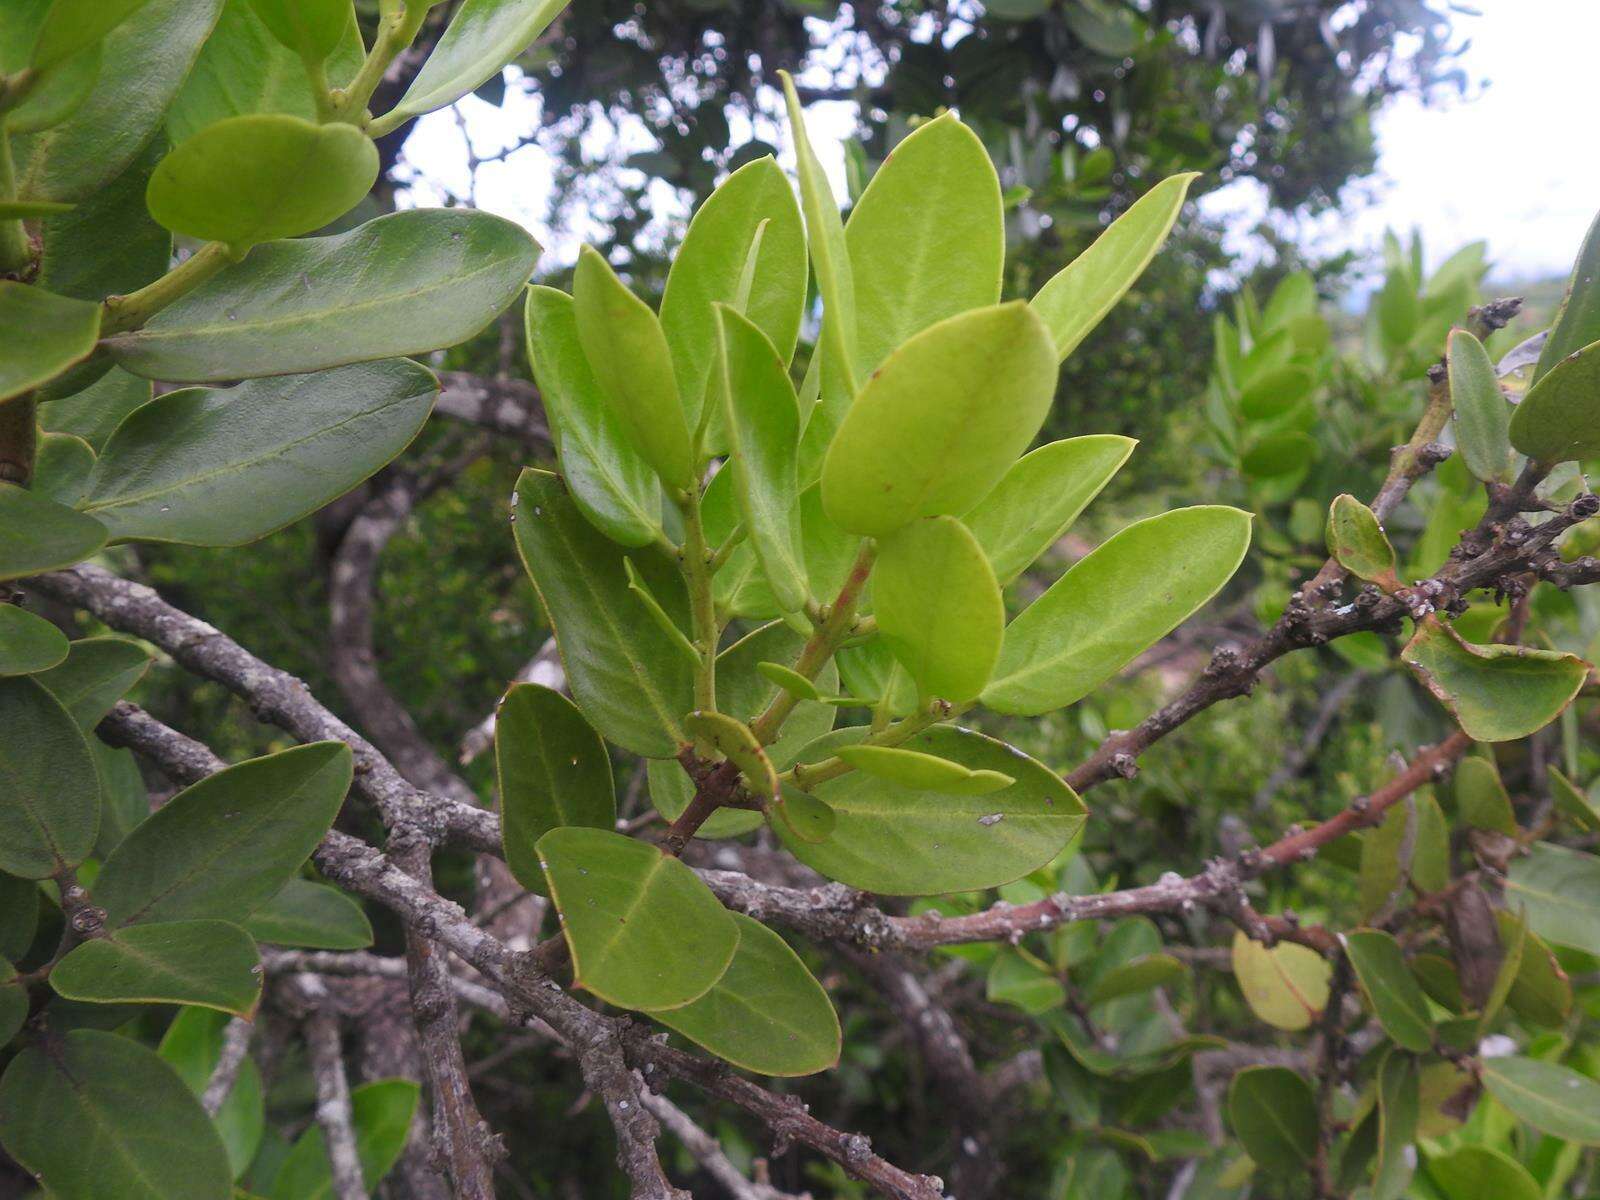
(707, 1151)
(236, 1035)
(333, 1090)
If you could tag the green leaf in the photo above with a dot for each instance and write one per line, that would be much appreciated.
(926, 240)
(612, 485)
(19, 915)
(61, 468)
(913, 769)
(1039, 498)
(1086, 289)
(1541, 992)
(641, 590)
(95, 412)
(192, 1045)
(1388, 858)
(97, 672)
(1136, 976)
(137, 1108)
(766, 1014)
(717, 733)
(1571, 802)
(31, 210)
(552, 771)
(1474, 1172)
(1481, 799)
(1274, 392)
(762, 416)
(1114, 604)
(1398, 1104)
(481, 39)
(804, 817)
(628, 354)
(28, 643)
(311, 28)
(407, 283)
(381, 1112)
(60, 332)
(72, 26)
(1359, 543)
(1552, 1098)
(1577, 322)
(1559, 892)
(13, 1002)
(1558, 419)
(209, 963)
(709, 269)
(1496, 693)
(223, 847)
(796, 684)
(313, 915)
(629, 678)
(1390, 988)
(644, 931)
(1482, 416)
(40, 535)
(1019, 979)
(1285, 985)
(150, 53)
(1274, 1114)
(937, 426)
(909, 842)
(224, 467)
(60, 91)
(939, 608)
(50, 805)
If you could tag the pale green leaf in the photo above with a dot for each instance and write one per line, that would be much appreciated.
(1482, 416)
(1359, 543)
(1558, 891)
(1558, 419)
(1496, 693)
(1286, 985)
(310, 28)
(1552, 1098)
(1577, 322)
(925, 772)
(1477, 1172)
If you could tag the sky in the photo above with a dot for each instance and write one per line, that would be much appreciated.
(1510, 162)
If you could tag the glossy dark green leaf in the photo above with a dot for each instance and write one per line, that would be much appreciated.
(625, 673)
(1558, 419)
(406, 283)
(313, 915)
(311, 28)
(1577, 322)
(609, 480)
(1496, 693)
(1086, 289)
(1359, 543)
(139, 1109)
(1552, 1098)
(938, 607)
(926, 240)
(40, 535)
(28, 643)
(627, 351)
(60, 332)
(96, 673)
(766, 1014)
(209, 963)
(1274, 1114)
(1039, 498)
(224, 467)
(1573, 804)
(381, 1113)
(1115, 603)
(1390, 988)
(50, 808)
(226, 845)
(1286, 985)
(192, 1046)
(1482, 416)
(553, 771)
(1481, 799)
(908, 842)
(643, 930)
(1398, 1102)
(913, 769)
(1558, 891)
(1475, 1172)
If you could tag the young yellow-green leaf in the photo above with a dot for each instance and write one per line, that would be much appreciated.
(223, 847)
(1039, 498)
(629, 678)
(1278, 455)
(407, 283)
(1481, 799)
(1114, 604)
(311, 28)
(192, 1046)
(1084, 291)
(766, 1014)
(253, 179)
(791, 681)
(1482, 416)
(1558, 419)
(1577, 322)
(1572, 803)
(59, 332)
(1274, 392)
(312, 915)
(640, 587)
(1553, 1099)
(50, 806)
(869, 671)
(643, 930)
(804, 816)
(1390, 988)
(552, 769)
(1496, 693)
(926, 240)
(381, 1112)
(1285, 985)
(938, 607)
(1476, 1172)
(209, 963)
(925, 772)
(718, 733)
(1274, 1114)
(710, 267)
(40, 535)
(1359, 543)
(762, 420)
(1558, 891)
(902, 841)
(610, 482)
(941, 421)
(138, 1108)
(628, 354)
(224, 467)
(1398, 1104)
(28, 643)
(1541, 992)
(482, 38)
(96, 673)
(72, 26)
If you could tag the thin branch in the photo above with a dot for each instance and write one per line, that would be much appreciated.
(333, 1089)
(236, 1035)
(708, 1152)
(543, 668)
